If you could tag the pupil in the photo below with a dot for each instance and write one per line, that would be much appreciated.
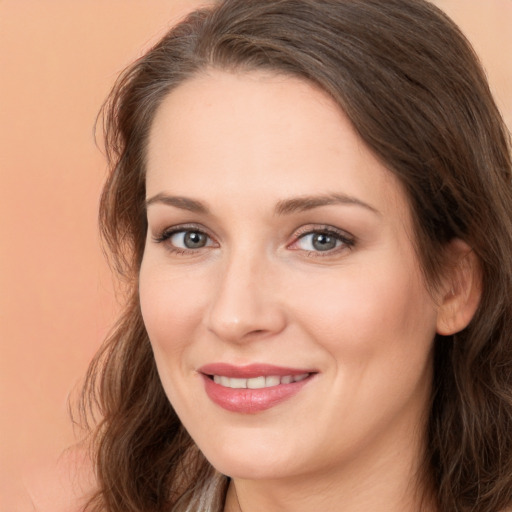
(194, 240)
(322, 242)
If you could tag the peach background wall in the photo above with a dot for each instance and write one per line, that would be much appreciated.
(58, 59)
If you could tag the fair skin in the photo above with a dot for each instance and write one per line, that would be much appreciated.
(240, 269)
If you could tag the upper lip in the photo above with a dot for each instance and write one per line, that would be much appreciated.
(251, 370)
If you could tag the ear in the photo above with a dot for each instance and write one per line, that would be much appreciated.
(460, 290)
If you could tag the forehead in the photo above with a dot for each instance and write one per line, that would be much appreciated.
(225, 133)
(251, 108)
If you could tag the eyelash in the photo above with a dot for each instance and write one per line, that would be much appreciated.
(167, 233)
(346, 240)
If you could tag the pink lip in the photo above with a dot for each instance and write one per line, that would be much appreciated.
(251, 401)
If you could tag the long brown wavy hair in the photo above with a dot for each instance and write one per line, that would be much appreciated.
(413, 89)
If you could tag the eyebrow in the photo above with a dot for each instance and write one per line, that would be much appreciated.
(184, 203)
(304, 203)
(283, 207)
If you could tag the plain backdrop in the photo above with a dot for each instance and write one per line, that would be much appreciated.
(58, 60)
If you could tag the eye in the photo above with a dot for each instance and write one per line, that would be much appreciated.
(318, 242)
(325, 240)
(182, 239)
(189, 239)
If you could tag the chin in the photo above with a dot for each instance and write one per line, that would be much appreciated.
(257, 463)
(251, 470)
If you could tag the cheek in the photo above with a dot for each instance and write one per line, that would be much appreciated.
(378, 328)
(385, 314)
(171, 308)
(172, 311)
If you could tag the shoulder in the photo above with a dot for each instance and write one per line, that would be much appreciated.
(64, 485)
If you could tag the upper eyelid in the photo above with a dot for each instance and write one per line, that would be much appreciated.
(163, 235)
(185, 227)
(322, 228)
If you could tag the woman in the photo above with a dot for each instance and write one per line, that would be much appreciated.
(310, 204)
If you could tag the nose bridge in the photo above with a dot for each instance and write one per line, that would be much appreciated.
(244, 303)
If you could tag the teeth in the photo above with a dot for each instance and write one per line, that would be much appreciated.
(272, 381)
(257, 382)
(238, 383)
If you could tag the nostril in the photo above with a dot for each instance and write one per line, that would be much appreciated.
(239, 319)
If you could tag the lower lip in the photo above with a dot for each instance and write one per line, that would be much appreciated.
(251, 401)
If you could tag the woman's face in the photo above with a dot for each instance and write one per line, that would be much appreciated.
(280, 289)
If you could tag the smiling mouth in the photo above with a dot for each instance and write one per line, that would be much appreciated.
(260, 382)
(253, 388)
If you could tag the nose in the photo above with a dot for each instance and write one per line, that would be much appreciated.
(245, 304)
